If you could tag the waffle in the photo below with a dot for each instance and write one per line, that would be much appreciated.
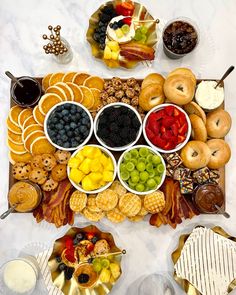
(143, 210)
(91, 204)
(107, 200)
(115, 215)
(130, 204)
(154, 202)
(93, 216)
(136, 218)
(118, 188)
(78, 201)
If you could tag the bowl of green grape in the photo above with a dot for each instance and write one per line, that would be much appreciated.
(141, 169)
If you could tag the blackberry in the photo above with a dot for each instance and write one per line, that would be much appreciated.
(114, 127)
(69, 272)
(83, 278)
(62, 266)
(124, 133)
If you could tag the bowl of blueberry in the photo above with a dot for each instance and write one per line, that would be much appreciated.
(68, 125)
(117, 126)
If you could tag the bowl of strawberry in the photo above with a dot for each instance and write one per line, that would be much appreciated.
(167, 128)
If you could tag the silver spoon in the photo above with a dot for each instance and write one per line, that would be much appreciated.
(226, 74)
(223, 212)
(9, 211)
(14, 79)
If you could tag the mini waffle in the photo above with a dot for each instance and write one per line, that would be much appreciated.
(130, 204)
(107, 200)
(78, 201)
(154, 202)
(118, 188)
(115, 215)
(93, 216)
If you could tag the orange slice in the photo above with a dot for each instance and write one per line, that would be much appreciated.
(38, 116)
(26, 113)
(97, 98)
(67, 90)
(47, 101)
(31, 137)
(41, 146)
(18, 149)
(45, 81)
(94, 82)
(30, 129)
(78, 94)
(55, 78)
(68, 77)
(14, 137)
(29, 121)
(18, 142)
(88, 99)
(79, 78)
(57, 90)
(14, 114)
(14, 158)
(12, 127)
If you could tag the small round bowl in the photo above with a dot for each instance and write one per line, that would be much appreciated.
(108, 153)
(126, 185)
(96, 121)
(179, 146)
(52, 110)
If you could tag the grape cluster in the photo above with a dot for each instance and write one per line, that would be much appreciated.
(106, 15)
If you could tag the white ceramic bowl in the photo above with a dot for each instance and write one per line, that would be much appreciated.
(96, 121)
(108, 153)
(52, 110)
(179, 146)
(126, 185)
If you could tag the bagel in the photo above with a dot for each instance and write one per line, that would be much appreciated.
(220, 153)
(151, 96)
(198, 131)
(195, 154)
(218, 123)
(153, 78)
(179, 89)
(194, 108)
(185, 72)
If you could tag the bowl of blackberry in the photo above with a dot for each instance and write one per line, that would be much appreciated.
(68, 125)
(117, 126)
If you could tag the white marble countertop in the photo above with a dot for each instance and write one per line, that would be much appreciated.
(22, 23)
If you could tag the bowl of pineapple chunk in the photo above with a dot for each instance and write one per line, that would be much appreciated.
(91, 169)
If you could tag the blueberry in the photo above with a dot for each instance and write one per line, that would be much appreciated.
(59, 115)
(62, 266)
(94, 240)
(58, 126)
(120, 23)
(75, 242)
(74, 143)
(58, 136)
(85, 121)
(64, 138)
(80, 237)
(111, 25)
(90, 260)
(100, 23)
(73, 111)
(59, 142)
(78, 138)
(83, 278)
(51, 125)
(54, 120)
(66, 145)
(115, 26)
(62, 132)
(66, 119)
(67, 127)
(77, 132)
(67, 106)
(77, 116)
(59, 108)
(86, 133)
(73, 125)
(69, 272)
(51, 133)
(102, 46)
(54, 139)
(73, 118)
(69, 133)
(82, 129)
(58, 259)
(65, 112)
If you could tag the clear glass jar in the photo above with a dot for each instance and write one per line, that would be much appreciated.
(66, 57)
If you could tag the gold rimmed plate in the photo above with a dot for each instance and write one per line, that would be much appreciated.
(95, 286)
(140, 15)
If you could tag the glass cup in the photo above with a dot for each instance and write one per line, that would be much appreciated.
(174, 55)
(29, 94)
(65, 57)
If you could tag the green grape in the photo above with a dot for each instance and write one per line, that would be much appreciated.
(135, 178)
(149, 167)
(143, 152)
(133, 160)
(122, 167)
(144, 176)
(140, 187)
(134, 153)
(132, 184)
(124, 175)
(151, 173)
(125, 29)
(96, 260)
(105, 263)
(141, 166)
(160, 168)
(142, 181)
(130, 166)
(141, 159)
(97, 266)
(156, 159)
(134, 173)
(157, 179)
(149, 158)
(127, 156)
(151, 183)
(138, 35)
(143, 39)
(143, 30)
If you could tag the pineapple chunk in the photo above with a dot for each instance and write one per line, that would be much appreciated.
(76, 175)
(109, 165)
(107, 176)
(85, 166)
(103, 160)
(95, 176)
(88, 184)
(114, 55)
(115, 270)
(105, 275)
(107, 53)
(89, 151)
(73, 163)
(96, 165)
(79, 156)
(113, 45)
(112, 279)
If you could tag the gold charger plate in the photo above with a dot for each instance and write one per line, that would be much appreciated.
(185, 284)
(140, 13)
(71, 287)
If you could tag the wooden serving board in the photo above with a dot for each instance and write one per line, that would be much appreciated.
(93, 140)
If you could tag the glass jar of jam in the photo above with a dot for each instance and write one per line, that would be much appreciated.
(206, 196)
(29, 94)
(180, 37)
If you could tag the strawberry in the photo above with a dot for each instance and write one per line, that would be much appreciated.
(90, 247)
(174, 129)
(163, 129)
(169, 110)
(182, 119)
(69, 242)
(127, 20)
(90, 236)
(183, 129)
(176, 112)
(70, 255)
(158, 115)
(181, 138)
(168, 146)
(155, 127)
(168, 121)
(149, 133)
(158, 141)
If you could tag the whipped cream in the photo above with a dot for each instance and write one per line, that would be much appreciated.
(111, 33)
(207, 96)
(19, 276)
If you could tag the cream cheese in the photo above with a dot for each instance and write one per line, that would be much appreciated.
(207, 96)
(111, 33)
